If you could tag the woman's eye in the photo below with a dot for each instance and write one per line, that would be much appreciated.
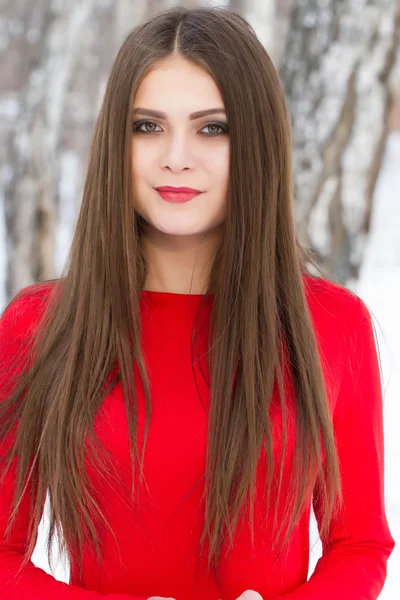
(222, 127)
(140, 123)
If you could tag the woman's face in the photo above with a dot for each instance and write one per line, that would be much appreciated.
(177, 150)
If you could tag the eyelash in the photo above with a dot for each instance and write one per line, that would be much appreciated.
(222, 126)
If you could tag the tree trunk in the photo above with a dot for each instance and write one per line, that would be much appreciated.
(336, 69)
(31, 153)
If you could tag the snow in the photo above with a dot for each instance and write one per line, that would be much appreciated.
(379, 287)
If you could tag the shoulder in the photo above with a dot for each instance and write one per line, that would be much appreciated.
(18, 323)
(333, 307)
(24, 310)
(341, 321)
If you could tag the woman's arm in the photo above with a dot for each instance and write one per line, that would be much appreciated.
(353, 564)
(32, 582)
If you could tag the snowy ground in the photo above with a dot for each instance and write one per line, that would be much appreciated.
(379, 287)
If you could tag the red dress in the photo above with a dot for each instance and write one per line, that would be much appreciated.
(158, 546)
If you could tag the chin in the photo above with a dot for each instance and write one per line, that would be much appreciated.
(182, 232)
(183, 229)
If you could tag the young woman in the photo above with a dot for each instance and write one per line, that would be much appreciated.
(188, 346)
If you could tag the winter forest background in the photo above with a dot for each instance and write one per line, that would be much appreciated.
(339, 61)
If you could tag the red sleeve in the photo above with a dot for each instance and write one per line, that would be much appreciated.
(32, 582)
(353, 563)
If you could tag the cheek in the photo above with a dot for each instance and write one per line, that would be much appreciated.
(138, 164)
(218, 165)
(142, 160)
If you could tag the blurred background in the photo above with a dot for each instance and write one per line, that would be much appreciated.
(339, 61)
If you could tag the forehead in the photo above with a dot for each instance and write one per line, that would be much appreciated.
(178, 81)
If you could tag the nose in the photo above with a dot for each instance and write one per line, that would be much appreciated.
(177, 153)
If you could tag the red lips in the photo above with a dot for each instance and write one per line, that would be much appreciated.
(169, 188)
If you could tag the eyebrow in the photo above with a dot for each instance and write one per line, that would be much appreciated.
(160, 115)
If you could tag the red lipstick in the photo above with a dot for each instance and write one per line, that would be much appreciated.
(177, 194)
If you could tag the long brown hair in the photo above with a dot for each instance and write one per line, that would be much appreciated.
(92, 317)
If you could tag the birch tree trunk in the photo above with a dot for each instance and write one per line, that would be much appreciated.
(31, 192)
(336, 69)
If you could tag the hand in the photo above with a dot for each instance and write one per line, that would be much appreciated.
(160, 598)
(249, 595)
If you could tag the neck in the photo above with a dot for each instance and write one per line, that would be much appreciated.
(179, 264)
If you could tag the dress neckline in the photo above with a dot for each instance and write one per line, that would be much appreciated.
(175, 300)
